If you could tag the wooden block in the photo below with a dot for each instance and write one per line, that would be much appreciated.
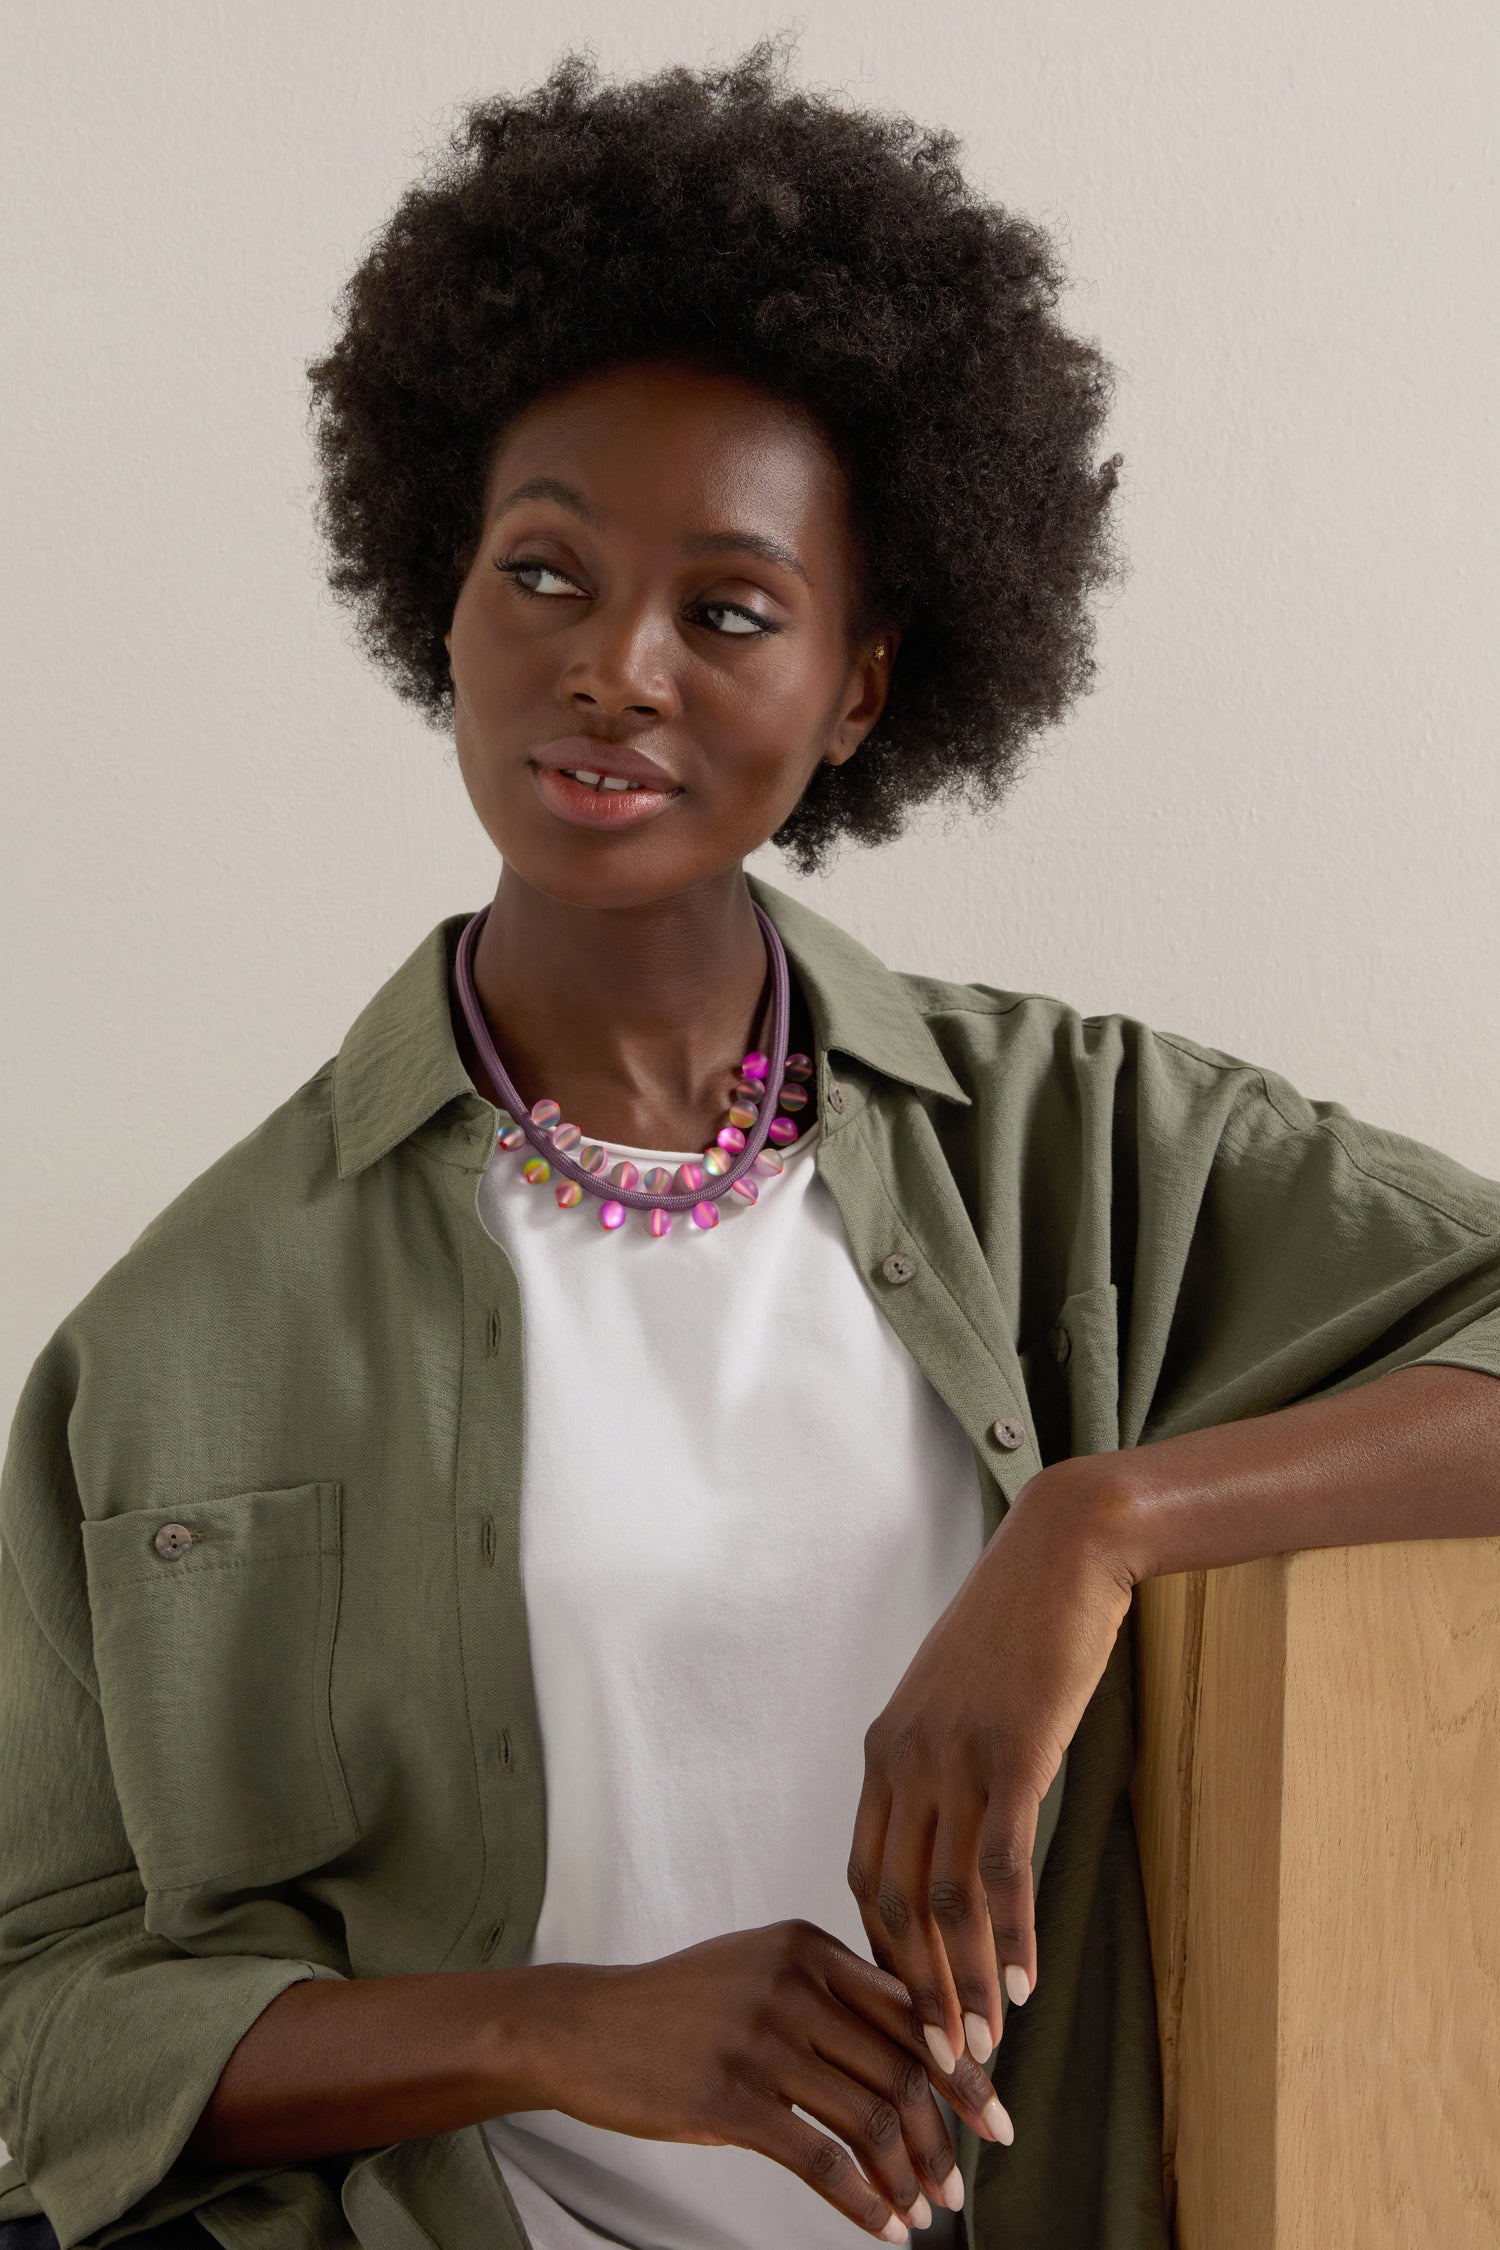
(1318, 1803)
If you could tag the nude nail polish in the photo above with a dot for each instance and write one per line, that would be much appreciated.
(893, 2230)
(952, 2190)
(1017, 1983)
(920, 2214)
(977, 2034)
(998, 2120)
(942, 2053)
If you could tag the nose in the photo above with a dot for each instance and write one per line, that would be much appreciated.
(618, 666)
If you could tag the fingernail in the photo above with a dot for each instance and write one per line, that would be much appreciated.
(942, 2053)
(893, 2230)
(997, 2120)
(1017, 1983)
(920, 2214)
(952, 2190)
(977, 2033)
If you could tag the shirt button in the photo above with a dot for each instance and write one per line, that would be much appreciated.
(172, 1540)
(898, 1268)
(1062, 1345)
(1008, 1434)
(836, 1097)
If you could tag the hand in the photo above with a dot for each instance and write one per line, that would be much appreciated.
(958, 1762)
(721, 2039)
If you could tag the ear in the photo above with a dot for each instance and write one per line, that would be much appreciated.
(869, 685)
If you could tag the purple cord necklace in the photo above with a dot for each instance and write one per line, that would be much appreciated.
(739, 1159)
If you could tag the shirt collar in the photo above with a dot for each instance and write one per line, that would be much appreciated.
(399, 1063)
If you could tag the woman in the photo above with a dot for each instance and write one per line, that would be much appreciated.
(666, 1353)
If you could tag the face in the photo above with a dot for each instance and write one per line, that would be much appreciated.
(661, 596)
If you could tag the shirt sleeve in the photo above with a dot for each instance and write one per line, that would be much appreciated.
(1286, 1249)
(111, 2039)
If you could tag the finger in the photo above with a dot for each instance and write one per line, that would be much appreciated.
(888, 2068)
(865, 1855)
(912, 1942)
(960, 1910)
(1006, 1838)
(772, 2129)
(883, 2000)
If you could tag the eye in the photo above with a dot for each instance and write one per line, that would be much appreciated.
(521, 569)
(744, 624)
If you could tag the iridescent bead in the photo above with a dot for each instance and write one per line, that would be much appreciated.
(716, 1160)
(689, 1176)
(545, 1112)
(611, 1215)
(793, 1097)
(512, 1137)
(783, 1130)
(625, 1174)
(567, 1136)
(748, 1090)
(744, 1115)
(568, 1192)
(799, 1066)
(537, 1170)
(592, 1156)
(755, 1064)
(705, 1215)
(659, 1182)
(746, 1189)
(659, 1222)
(732, 1138)
(768, 1163)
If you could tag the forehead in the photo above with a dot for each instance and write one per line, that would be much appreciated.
(678, 449)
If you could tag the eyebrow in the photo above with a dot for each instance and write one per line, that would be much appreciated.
(700, 542)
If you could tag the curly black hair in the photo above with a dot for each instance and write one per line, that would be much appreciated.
(833, 256)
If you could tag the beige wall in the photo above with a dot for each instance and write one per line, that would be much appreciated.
(1273, 826)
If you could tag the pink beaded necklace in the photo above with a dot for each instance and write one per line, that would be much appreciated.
(739, 1159)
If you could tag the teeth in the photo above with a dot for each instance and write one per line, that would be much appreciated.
(612, 781)
(589, 780)
(600, 781)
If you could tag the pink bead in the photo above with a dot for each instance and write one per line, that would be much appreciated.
(745, 1188)
(568, 1193)
(755, 1064)
(659, 1223)
(705, 1215)
(513, 1137)
(611, 1215)
(625, 1174)
(783, 1130)
(731, 1137)
(566, 1136)
(689, 1176)
(768, 1163)
(545, 1112)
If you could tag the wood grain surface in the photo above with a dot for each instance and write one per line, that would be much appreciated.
(1318, 1802)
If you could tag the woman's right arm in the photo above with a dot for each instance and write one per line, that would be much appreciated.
(719, 2041)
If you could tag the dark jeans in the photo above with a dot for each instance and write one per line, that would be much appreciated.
(173, 2234)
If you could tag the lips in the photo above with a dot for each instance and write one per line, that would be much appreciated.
(601, 785)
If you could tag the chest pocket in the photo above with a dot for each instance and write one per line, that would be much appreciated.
(1072, 1376)
(213, 1638)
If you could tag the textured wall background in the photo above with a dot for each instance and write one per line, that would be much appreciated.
(1273, 825)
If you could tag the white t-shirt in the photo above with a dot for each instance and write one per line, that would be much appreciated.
(721, 1596)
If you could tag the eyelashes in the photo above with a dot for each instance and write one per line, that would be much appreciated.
(517, 570)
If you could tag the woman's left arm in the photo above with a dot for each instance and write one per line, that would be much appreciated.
(958, 1761)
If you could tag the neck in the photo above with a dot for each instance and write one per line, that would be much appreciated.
(633, 1018)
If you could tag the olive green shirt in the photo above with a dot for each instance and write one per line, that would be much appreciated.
(305, 1744)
